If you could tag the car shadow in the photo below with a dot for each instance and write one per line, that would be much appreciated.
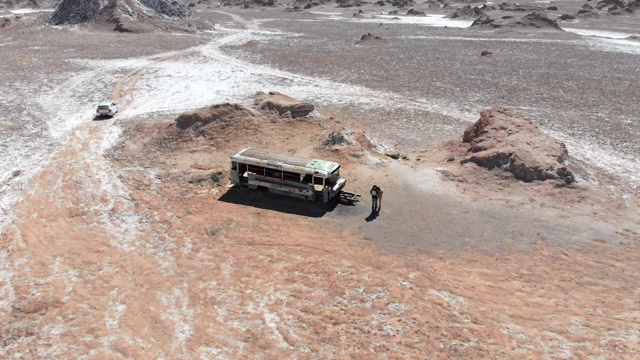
(263, 199)
(102, 118)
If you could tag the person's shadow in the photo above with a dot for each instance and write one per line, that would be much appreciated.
(373, 215)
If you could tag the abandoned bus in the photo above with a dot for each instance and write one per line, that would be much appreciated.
(287, 175)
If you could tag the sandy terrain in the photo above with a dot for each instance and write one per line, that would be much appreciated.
(120, 238)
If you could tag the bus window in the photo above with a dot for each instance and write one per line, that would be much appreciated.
(234, 165)
(318, 180)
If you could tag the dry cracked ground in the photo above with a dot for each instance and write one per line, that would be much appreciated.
(142, 250)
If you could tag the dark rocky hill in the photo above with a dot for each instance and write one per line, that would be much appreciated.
(125, 15)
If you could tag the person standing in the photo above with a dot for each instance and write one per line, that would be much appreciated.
(375, 197)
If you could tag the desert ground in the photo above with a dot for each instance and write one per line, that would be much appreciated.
(122, 238)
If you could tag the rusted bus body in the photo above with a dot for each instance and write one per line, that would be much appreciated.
(287, 175)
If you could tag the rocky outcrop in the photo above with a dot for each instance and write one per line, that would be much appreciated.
(468, 12)
(349, 3)
(609, 7)
(532, 21)
(413, 12)
(566, 17)
(77, 11)
(250, 3)
(308, 4)
(519, 7)
(587, 13)
(283, 105)
(368, 38)
(503, 139)
(200, 118)
(435, 4)
(537, 20)
(403, 3)
(121, 13)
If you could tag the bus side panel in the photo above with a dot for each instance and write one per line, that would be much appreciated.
(281, 187)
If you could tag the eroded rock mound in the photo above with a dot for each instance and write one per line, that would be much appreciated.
(283, 104)
(505, 140)
(126, 15)
(532, 21)
(468, 12)
(200, 118)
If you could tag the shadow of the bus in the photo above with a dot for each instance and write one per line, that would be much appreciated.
(263, 199)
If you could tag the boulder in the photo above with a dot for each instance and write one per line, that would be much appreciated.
(503, 139)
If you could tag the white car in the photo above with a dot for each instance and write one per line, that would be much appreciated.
(107, 108)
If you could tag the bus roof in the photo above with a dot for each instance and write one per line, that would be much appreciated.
(286, 162)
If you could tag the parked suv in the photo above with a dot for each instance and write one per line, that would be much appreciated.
(107, 108)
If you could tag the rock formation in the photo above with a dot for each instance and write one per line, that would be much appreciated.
(282, 105)
(519, 7)
(124, 14)
(348, 3)
(414, 12)
(534, 20)
(505, 140)
(202, 117)
(468, 12)
(249, 3)
(367, 38)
